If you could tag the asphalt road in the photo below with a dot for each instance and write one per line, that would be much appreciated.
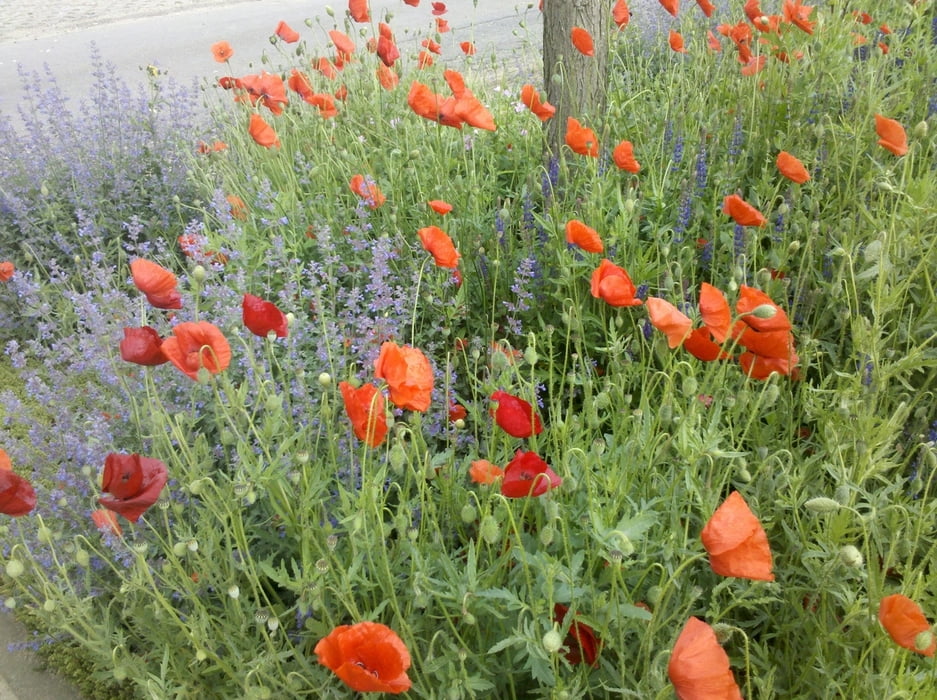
(179, 44)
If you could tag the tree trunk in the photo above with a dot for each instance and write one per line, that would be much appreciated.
(575, 83)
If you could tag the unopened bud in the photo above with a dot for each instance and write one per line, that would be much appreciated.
(199, 273)
(851, 556)
(821, 504)
(765, 311)
(923, 641)
(552, 641)
(920, 130)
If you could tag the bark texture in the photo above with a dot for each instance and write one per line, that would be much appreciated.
(575, 84)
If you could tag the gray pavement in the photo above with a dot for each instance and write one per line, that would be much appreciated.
(21, 674)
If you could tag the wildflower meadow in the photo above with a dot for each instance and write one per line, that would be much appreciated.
(329, 377)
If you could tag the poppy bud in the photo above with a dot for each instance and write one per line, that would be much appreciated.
(234, 592)
(821, 504)
(49, 606)
(179, 549)
(489, 529)
(82, 558)
(764, 311)
(923, 640)
(329, 11)
(15, 568)
(723, 632)
(546, 535)
(552, 641)
(920, 130)
(793, 247)
(851, 557)
(468, 513)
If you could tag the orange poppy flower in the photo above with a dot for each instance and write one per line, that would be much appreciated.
(142, 346)
(672, 6)
(365, 409)
(791, 168)
(412, 3)
(236, 207)
(752, 10)
(891, 135)
(582, 40)
(714, 308)
(468, 48)
(700, 345)
(439, 206)
(408, 374)
(578, 234)
(387, 77)
(467, 107)
(427, 104)
(582, 140)
(668, 319)
(358, 9)
(266, 88)
(795, 12)
(713, 42)
(699, 666)
(482, 471)
(7, 269)
(621, 15)
(368, 656)
(438, 244)
(193, 346)
(262, 133)
(325, 67)
(742, 212)
(531, 98)
(439, 8)
(106, 521)
(6, 464)
(613, 285)
(755, 64)
(904, 621)
(442, 26)
(675, 39)
(758, 367)
(736, 541)
(221, 51)
(706, 6)
(623, 155)
(157, 283)
(343, 44)
(287, 33)
(368, 190)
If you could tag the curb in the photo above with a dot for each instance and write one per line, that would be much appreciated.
(24, 671)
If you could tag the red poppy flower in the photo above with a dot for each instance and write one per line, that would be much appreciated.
(196, 345)
(408, 374)
(791, 168)
(742, 212)
(531, 98)
(262, 133)
(261, 317)
(672, 6)
(713, 42)
(715, 311)
(581, 645)
(439, 8)
(368, 190)
(623, 155)
(343, 44)
(758, 367)
(456, 412)
(287, 33)
(142, 346)
(467, 107)
(754, 65)
(6, 271)
(612, 284)
(706, 6)
(582, 40)
(438, 244)
(106, 521)
(431, 45)
(736, 541)
(675, 39)
(17, 496)
(797, 13)
(699, 667)
(527, 475)
(266, 88)
(325, 67)
(700, 345)
(515, 416)
(442, 26)
(468, 48)
(578, 234)
(582, 140)
(358, 9)
(481, 471)
(621, 15)
(221, 51)
(387, 77)
(891, 135)
(368, 656)
(904, 621)
(157, 283)
(752, 10)
(439, 206)
(412, 3)
(427, 104)
(750, 300)
(387, 49)
(668, 319)
(365, 409)
(133, 483)
(6, 464)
